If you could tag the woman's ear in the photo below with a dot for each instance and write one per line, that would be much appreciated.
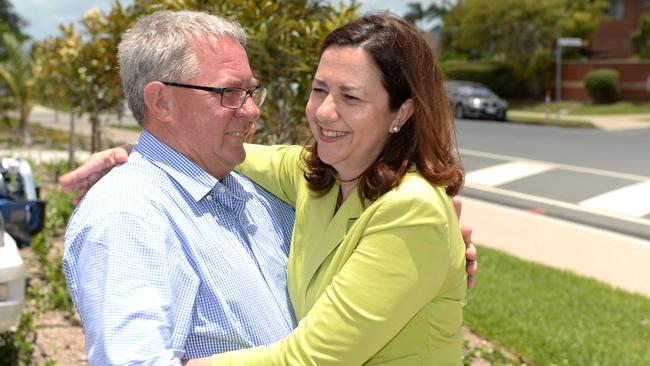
(405, 112)
(158, 101)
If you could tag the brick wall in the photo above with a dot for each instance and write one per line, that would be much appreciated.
(612, 38)
(634, 77)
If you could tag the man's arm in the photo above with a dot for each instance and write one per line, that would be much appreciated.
(121, 274)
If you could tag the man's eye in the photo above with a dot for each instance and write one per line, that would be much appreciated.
(318, 90)
(350, 97)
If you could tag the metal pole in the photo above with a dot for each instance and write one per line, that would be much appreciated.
(558, 78)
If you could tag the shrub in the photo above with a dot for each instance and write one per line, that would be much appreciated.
(603, 85)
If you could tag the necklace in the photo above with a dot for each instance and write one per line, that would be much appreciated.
(350, 180)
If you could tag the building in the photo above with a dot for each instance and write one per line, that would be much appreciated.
(611, 47)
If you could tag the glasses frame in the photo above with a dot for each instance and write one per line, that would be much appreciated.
(221, 91)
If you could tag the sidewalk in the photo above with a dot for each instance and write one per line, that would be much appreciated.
(616, 259)
(45, 117)
(605, 122)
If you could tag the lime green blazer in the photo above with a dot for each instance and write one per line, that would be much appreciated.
(381, 285)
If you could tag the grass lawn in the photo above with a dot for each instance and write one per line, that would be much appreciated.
(577, 108)
(553, 317)
(551, 121)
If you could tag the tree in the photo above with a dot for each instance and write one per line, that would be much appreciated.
(98, 77)
(520, 32)
(641, 37)
(17, 74)
(436, 10)
(13, 22)
(57, 68)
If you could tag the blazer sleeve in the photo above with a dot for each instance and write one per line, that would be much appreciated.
(274, 168)
(399, 265)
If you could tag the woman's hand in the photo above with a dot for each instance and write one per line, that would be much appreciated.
(99, 163)
(470, 250)
(205, 361)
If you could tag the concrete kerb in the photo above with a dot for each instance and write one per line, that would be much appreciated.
(604, 122)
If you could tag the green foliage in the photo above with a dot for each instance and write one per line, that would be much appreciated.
(576, 108)
(9, 19)
(498, 76)
(554, 317)
(519, 32)
(603, 85)
(17, 74)
(641, 37)
(79, 68)
(435, 10)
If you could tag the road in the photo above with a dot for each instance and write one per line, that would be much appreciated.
(591, 176)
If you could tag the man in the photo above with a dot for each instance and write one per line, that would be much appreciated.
(172, 255)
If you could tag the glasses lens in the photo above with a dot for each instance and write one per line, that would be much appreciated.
(233, 98)
(258, 96)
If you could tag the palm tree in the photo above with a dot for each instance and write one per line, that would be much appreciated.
(17, 74)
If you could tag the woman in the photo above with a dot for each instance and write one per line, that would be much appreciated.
(373, 209)
(377, 265)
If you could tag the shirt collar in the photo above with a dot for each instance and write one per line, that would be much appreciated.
(188, 174)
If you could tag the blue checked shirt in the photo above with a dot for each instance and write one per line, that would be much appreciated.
(165, 262)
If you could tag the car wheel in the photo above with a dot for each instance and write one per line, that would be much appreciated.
(458, 111)
(501, 116)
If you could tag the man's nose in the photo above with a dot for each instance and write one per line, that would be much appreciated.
(249, 108)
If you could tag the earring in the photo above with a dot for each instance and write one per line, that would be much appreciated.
(395, 128)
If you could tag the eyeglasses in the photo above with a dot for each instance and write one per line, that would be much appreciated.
(231, 98)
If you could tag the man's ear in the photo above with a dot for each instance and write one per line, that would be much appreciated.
(405, 111)
(157, 98)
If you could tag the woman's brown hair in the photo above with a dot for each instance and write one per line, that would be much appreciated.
(409, 70)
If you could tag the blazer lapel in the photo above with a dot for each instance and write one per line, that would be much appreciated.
(332, 235)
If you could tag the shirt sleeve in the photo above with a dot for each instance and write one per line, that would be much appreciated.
(400, 264)
(125, 275)
(275, 168)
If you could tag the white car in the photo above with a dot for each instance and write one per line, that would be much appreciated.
(22, 215)
(12, 282)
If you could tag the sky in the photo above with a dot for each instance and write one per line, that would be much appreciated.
(44, 16)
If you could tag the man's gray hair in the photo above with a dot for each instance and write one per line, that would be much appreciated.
(158, 47)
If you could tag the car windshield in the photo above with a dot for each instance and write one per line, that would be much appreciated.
(475, 91)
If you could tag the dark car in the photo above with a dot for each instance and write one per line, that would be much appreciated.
(22, 210)
(475, 100)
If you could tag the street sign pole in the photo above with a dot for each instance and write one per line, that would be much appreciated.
(566, 42)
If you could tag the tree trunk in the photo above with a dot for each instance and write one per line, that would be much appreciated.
(71, 144)
(24, 126)
(95, 135)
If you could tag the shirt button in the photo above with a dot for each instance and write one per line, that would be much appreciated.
(222, 190)
(208, 197)
(251, 229)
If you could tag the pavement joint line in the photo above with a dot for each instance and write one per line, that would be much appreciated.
(593, 171)
(553, 202)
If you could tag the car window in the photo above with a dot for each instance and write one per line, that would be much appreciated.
(473, 91)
